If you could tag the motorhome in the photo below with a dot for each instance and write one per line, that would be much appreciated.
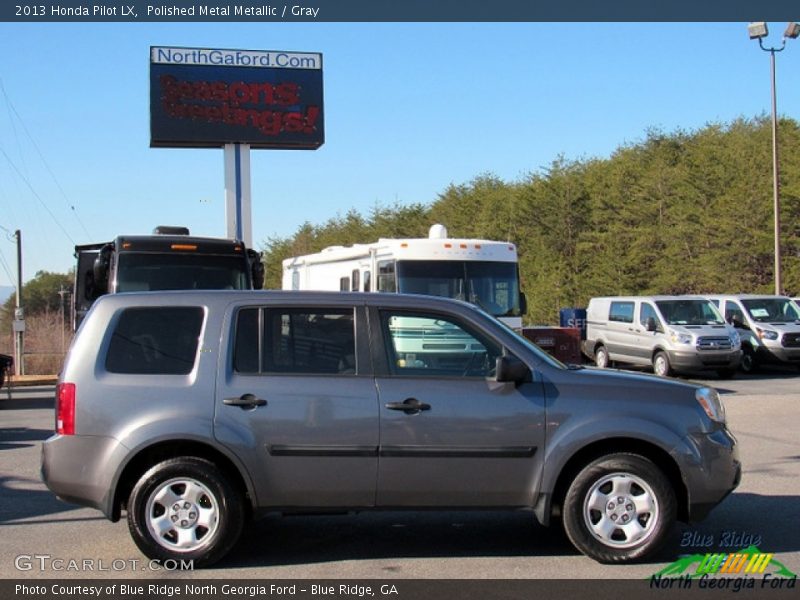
(482, 272)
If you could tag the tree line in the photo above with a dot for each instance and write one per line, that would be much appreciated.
(675, 213)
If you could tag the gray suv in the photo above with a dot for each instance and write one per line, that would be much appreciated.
(195, 411)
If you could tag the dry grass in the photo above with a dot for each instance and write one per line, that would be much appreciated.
(46, 342)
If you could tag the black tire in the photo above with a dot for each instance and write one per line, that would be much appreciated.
(601, 359)
(661, 364)
(649, 500)
(748, 362)
(207, 512)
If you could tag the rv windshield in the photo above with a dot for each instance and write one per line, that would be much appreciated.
(772, 310)
(493, 286)
(690, 312)
(138, 272)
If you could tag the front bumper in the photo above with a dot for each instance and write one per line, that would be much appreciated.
(716, 471)
(778, 354)
(705, 360)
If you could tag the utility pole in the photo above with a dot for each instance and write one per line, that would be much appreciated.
(63, 293)
(19, 314)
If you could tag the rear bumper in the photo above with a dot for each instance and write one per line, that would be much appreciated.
(80, 469)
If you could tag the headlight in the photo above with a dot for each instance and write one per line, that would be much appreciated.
(711, 403)
(765, 334)
(736, 339)
(680, 338)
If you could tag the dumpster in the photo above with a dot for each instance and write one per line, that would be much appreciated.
(564, 343)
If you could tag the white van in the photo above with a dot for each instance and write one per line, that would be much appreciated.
(671, 333)
(769, 327)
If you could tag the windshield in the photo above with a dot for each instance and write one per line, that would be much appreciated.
(138, 272)
(772, 310)
(690, 312)
(494, 286)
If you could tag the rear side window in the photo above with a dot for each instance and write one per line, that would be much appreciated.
(621, 312)
(155, 341)
(295, 341)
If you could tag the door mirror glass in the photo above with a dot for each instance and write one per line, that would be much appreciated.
(511, 369)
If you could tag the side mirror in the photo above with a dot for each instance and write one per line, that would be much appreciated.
(100, 268)
(737, 322)
(651, 324)
(523, 304)
(511, 369)
(256, 269)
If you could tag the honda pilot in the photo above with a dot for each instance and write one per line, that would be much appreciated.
(192, 412)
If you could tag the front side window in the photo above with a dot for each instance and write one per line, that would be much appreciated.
(647, 313)
(155, 341)
(275, 340)
(733, 312)
(430, 345)
(387, 281)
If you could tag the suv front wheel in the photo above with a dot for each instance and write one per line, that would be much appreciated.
(185, 509)
(619, 508)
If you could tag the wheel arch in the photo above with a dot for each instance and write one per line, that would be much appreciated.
(656, 350)
(163, 450)
(616, 445)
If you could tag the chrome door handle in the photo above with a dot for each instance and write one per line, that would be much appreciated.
(245, 401)
(410, 406)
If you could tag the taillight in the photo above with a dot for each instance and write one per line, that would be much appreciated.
(65, 408)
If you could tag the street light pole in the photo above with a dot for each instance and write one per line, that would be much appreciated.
(758, 30)
(776, 179)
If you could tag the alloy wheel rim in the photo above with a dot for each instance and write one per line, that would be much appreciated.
(620, 510)
(182, 515)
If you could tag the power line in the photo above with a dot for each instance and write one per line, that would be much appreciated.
(33, 191)
(69, 204)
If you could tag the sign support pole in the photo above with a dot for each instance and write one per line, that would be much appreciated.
(238, 205)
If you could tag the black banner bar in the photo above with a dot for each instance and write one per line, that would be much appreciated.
(179, 588)
(397, 10)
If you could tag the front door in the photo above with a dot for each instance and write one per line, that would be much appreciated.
(450, 435)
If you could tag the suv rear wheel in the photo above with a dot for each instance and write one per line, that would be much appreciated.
(619, 508)
(185, 509)
(601, 357)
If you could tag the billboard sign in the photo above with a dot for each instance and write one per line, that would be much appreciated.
(206, 98)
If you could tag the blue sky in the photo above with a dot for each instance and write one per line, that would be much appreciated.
(409, 109)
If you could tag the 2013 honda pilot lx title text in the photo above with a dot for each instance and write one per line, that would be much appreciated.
(194, 411)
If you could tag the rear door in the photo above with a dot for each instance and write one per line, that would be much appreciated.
(297, 403)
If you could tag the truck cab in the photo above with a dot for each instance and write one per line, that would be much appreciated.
(169, 259)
